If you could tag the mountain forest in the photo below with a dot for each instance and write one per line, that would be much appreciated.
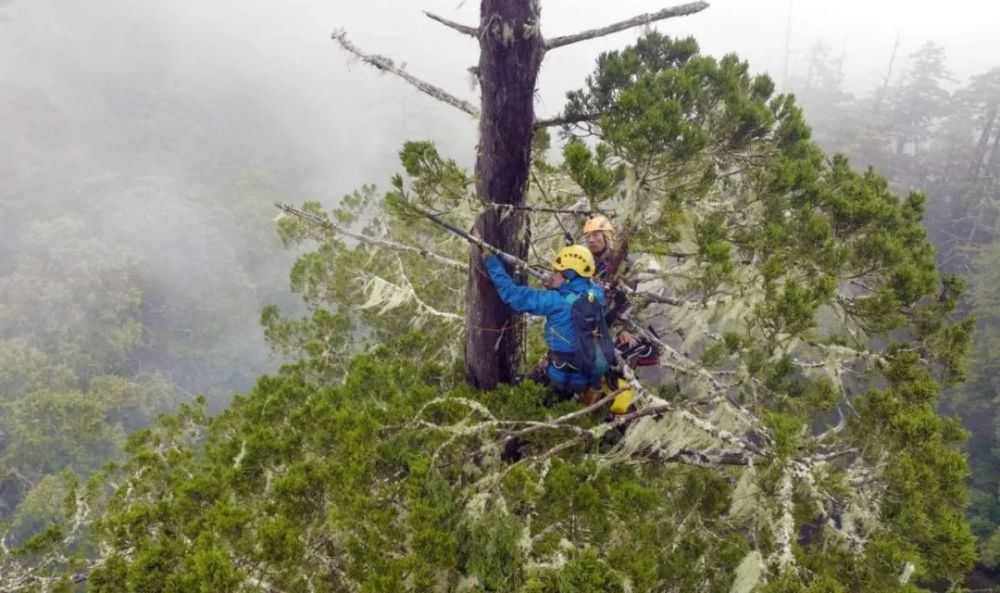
(337, 398)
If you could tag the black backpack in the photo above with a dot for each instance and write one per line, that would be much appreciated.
(595, 352)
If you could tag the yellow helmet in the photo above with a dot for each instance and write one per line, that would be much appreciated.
(577, 258)
(598, 223)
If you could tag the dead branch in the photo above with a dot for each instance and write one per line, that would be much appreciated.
(642, 19)
(464, 29)
(650, 411)
(651, 297)
(786, 523)
(580, 208)
(386, 65)
(402, 247)
(567, 417)
(749, 448)
(711, 460)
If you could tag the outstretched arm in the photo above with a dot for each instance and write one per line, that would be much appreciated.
(522, 299)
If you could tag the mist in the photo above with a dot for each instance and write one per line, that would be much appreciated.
(145, 143)
(171, 128)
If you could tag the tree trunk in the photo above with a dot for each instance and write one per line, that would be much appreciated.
(984, 141)
(993, 164)
(511, 50)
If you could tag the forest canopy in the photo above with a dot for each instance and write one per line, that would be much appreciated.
(794, 436)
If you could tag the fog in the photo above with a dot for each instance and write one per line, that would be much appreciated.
(155, 121)
(261, 82)
(143, 144)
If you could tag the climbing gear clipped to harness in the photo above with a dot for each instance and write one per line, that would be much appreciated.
(598, 223)
(594, 352)
(576, 258)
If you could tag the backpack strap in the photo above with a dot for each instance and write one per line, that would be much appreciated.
(575, 296)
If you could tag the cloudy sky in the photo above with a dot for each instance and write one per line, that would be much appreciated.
(136, 114)
(253, 72)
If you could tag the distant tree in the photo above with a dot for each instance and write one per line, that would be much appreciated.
(36, 135)
(73, 296)
(69, 329)
(977, 399)
(982, 99)
(953, 167)
(205, 268)
(964, 152)
(920, 100)
(825, 104)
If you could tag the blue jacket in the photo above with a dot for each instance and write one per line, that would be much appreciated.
(556, 306)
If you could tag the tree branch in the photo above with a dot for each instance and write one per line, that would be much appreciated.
(642, 19)
(420, 303)
(464, 29)
(373, 284)
(385, 64)
(712, 460)
(786, 523)
(402, 247)
(567, 417)
(564, 120)
(579, 208)
(651, 297)
(660, 406)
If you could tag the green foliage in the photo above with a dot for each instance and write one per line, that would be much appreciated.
(71, 319)
(75, 297)
(825, 274)
(921, 134)
(298, 477)
(817, 251)
(713, 355)
(590, 171)
(42, 542)
(434, 180)
(492, 552)
(808, 289)
(926, 475)
(361, 293)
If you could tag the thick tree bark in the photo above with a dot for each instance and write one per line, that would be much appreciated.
(511, 50)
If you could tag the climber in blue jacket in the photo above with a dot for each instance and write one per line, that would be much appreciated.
(580, 349)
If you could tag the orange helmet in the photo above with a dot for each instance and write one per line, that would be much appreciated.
(598, 223)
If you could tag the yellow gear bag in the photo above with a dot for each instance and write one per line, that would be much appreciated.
(623, 400)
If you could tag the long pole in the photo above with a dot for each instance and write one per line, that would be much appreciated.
(507, 257)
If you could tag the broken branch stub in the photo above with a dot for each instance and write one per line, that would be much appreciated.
(386, 65)
(642, 19)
